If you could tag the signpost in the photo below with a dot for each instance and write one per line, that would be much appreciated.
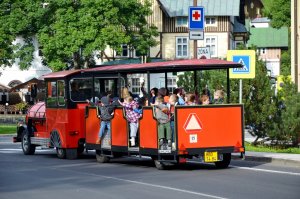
(247, 59)
(196, 18)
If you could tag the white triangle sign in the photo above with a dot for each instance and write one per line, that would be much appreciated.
(193, 124)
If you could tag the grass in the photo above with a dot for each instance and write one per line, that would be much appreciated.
(8, 129)
(271, 149)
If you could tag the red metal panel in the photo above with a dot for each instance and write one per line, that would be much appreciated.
(119, 128)
(148, 130)
(221, 126)
(92, 126)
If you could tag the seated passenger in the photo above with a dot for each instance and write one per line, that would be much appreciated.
(76, 95)
(204, 100)
(132, 117)
(180, 93)
(162, 114)
(190, 99)
(219, 97)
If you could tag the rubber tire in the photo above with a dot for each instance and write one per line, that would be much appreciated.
(80, 149)
(101, 158)
(159, 165)
(71, 154)
(27, 147)
(61, 153)
(225, 162)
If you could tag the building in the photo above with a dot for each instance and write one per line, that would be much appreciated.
(269, 42)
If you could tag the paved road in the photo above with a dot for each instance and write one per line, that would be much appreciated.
(45, 176)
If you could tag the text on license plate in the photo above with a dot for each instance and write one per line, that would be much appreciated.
(211, 156)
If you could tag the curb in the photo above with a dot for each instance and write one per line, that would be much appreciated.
(279, 161)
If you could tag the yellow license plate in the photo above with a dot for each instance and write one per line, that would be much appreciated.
(211, 156)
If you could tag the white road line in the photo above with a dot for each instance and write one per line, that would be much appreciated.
(151, 185)
(267, 170)
(20, 150)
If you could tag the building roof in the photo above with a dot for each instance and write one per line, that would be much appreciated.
(167, 66)
(153, 67)
(268, 37)
(177, 8)
(261, 20)
(239, 27)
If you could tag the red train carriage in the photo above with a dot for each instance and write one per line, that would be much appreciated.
(66, 122)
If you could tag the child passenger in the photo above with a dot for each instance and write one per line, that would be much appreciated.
(204, 100)
(190, 99)
(132, 117)
(106, 111)
(162, 116)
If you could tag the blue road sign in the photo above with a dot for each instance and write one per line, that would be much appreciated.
(196, 17)
(245, 61)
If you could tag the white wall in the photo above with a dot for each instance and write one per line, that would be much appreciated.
(14, 73)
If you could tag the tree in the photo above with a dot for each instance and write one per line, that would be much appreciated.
(279, 11)
(287, 126)
(70, 32)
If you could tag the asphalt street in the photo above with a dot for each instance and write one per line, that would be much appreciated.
(43, 175)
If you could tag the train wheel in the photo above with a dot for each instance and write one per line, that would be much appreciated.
(101, 158)
(61, 153)
(225, 162)
(159, 165)
(27, 147)
(80, 149)
(71, 154)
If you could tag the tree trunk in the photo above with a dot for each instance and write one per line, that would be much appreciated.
(76, 60)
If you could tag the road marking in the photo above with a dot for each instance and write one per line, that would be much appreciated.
(151, 185)
(267, 170)
(20, 150)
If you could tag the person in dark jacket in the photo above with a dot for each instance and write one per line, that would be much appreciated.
(106, 112)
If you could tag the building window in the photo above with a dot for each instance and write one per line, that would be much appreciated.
(211, 21)
(181, 21)
(135, 85)
(124, 52)
(182, 47)
(171, 83)
(211, 42)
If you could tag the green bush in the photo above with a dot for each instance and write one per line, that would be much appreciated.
(14, 98)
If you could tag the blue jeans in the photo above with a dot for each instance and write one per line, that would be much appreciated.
(103, 125)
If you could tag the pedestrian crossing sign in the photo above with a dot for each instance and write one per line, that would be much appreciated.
(247, 59)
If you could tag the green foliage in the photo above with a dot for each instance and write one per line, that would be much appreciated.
(285, 62)
(287, 126)
(279, 11)
(14, 98)
(271, 149)
(70, 32)
(258, 99)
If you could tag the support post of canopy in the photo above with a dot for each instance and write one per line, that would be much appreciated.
(228, 87)
(148, 87)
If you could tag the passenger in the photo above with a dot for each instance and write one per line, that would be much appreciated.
(204, 100)
(124, 93)
(190, 99)
(153, 92)
(180, 93)
(164, 93)
(162, 115)
(132, 117)
(106, 111)
(76, 95)
(173, 101)
(219, 97)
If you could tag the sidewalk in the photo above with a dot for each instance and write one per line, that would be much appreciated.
(278, 158)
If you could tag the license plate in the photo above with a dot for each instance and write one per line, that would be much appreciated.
(211, 156)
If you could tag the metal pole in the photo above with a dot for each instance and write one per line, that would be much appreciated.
(241, 91)
(148, 87)
(228, 87)
(195, 41)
